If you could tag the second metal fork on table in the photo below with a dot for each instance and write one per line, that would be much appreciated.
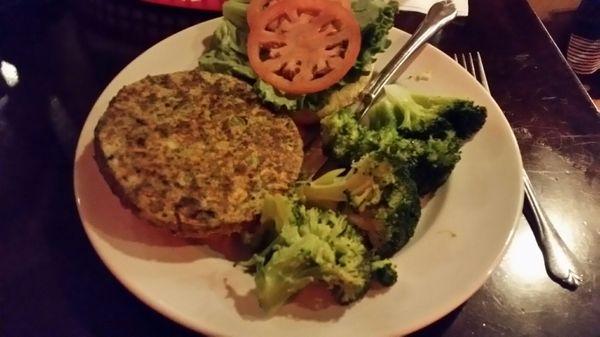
(560, 262)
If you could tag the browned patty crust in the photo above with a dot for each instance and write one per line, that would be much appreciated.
(195, 151)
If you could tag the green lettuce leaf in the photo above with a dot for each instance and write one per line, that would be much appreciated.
(375, 19)
(228, 51)
(235, 12)
(280, 101)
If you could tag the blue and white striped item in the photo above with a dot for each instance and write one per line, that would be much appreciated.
(583, 52)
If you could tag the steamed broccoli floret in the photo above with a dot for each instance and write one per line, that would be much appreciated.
(361, 187)
(420, 116)
(381, 198)
(465, 117)
(437, 162)
(346, 140)
(429, 161)
(312, 244)
(396, 217)
(391, 223)
(384, 272)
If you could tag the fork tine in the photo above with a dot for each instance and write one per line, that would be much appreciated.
(484, 81)
(472, 66)
(478, 74)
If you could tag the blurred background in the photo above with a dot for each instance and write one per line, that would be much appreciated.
(561, 18)
(141, 23)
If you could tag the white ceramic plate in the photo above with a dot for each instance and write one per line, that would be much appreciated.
(462, 235)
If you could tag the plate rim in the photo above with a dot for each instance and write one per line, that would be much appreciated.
(175, 316)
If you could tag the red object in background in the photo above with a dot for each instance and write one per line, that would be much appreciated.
(207, 5)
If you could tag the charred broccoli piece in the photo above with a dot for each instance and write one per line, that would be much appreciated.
(438, 159)
(428, 161)
(384, 272)
(395, 219)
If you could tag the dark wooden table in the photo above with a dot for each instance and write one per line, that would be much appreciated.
(53, 284)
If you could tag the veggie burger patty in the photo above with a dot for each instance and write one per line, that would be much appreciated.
(195, 151)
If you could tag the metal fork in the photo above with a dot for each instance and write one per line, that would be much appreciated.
(561, 264)
(439, 15)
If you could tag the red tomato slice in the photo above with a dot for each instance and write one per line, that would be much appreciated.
(257, 6)
(303, 46)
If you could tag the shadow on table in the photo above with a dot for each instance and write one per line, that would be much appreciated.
(78, 295)
(437, 328)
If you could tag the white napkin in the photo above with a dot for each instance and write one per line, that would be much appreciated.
(422, 6)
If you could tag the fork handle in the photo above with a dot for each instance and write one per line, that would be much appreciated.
(440, 14)
(560, 261)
